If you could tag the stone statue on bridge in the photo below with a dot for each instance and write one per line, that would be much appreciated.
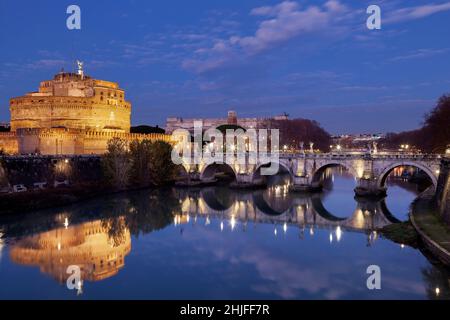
(302, 147)
(311, 147)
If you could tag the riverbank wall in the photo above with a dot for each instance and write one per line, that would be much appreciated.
(425, 216)
(27, 173)
(443, 191)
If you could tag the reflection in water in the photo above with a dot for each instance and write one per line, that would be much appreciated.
(301, 210)
(438, 283)
(222, 244)
(87, 245)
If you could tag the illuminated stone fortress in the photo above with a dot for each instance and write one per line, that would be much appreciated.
(71, 114)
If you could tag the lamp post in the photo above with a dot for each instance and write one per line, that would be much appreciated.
(404, 147)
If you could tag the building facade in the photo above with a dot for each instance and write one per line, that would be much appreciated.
(70, 114)
(174, 123)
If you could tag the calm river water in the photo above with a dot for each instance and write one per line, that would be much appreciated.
(213, 243)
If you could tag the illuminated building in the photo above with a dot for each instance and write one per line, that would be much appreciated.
(70, 114)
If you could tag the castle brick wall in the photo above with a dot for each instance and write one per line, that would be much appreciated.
(71, 141)
(69, 112)
(8, 142)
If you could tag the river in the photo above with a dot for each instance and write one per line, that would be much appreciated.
(215, 243)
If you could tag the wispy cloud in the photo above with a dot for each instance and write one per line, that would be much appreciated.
(47, 64)
(417, 12)
(420, 53)
(281, 23)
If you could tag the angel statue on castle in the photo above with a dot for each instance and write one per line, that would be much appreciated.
(80, 68)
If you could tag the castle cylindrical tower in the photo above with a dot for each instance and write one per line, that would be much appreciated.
(73, 101)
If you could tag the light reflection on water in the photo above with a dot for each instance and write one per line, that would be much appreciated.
(214, 243)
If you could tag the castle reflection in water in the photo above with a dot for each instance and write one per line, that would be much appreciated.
(99, 243)
(87, 245)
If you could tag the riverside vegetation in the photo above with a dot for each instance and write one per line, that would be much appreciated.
(142, 164)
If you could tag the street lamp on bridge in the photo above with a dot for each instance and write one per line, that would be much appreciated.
(404, 147)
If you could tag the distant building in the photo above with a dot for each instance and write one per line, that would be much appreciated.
(356, 141)
(70, 114)
(174, 123)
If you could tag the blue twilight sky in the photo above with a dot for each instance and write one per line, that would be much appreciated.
(200, 58)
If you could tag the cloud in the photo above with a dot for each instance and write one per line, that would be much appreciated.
(363, 88)
(420, 53)
(412, 13)
(282, 23)
(47, 63)
(284, 7)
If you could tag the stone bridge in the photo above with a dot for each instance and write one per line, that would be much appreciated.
(369, 170)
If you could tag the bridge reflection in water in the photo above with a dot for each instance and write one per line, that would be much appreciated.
(100, 244)
(276, 206)
(98, 235)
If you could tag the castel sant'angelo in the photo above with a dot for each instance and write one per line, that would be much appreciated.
(71, 114)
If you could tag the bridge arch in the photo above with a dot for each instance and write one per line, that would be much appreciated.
(209, 170)
(182, 171)
(387, 170)
(321, 169)
(283, 168)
